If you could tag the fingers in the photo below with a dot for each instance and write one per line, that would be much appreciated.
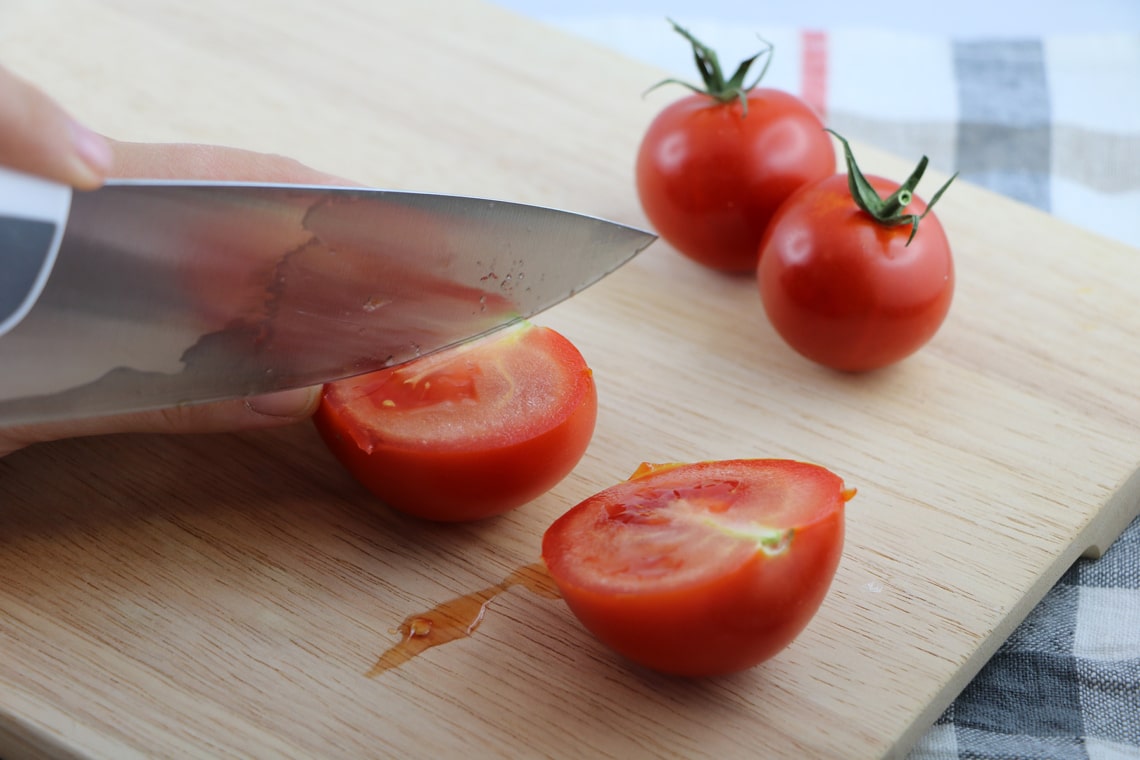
(282, 408)
(38, 137)
(192, 161)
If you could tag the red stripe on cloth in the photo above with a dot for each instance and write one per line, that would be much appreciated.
(814, 71)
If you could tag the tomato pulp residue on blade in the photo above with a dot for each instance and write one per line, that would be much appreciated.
(457, 618)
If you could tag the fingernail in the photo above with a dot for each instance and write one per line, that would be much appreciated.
(92, 148)
(298, 403)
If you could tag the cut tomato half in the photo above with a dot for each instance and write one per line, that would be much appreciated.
(701, 569)
(466, 433)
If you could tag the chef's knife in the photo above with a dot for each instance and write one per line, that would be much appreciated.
(147, 294)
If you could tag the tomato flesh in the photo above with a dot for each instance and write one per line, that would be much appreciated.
(701, 569)
(847, 292)
(466, 433)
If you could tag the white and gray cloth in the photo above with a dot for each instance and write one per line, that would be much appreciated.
(1052, 122)
(1066, 684)
(1049, 121)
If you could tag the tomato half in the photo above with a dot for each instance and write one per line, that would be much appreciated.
(710, 176)
(701, 569)
(846, 291)
(469, 432)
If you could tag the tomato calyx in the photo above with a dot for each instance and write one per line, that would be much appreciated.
(715, 85)
(888, 211)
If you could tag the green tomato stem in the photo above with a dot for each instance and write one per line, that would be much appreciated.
(712, 75)
(888, 211)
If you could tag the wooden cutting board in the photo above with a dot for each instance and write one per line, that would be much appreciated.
(230, 595)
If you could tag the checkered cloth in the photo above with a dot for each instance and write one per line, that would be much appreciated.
(1054, 123)
(1066, 684)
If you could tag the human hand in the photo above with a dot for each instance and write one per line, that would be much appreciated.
(38, 137)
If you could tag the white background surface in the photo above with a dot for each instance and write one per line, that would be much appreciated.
(732, 26)
(948, 17)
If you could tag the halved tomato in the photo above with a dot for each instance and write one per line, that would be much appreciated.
(701, 569)
(466, 433)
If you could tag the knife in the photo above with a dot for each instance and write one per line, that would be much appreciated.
(148, 294)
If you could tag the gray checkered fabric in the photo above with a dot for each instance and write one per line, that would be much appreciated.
(1066, 684)
(1004, 136)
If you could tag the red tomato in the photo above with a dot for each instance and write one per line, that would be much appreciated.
(711, 174)
(701, 569)
(710, 178)
(466, 433)
(847, 291)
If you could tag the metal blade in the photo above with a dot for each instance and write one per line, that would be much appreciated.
(170, 293)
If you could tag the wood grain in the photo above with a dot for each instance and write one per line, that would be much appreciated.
(226, 596)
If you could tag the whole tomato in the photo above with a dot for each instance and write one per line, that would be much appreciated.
(714, 166)
(848, 278)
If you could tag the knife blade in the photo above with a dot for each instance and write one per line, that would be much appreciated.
(149, 294)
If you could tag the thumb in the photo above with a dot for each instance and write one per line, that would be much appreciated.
(272, 410)
(38, 137)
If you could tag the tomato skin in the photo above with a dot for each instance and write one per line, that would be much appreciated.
(700, 603)
(484, 470)
(847, 292)
(710, 177)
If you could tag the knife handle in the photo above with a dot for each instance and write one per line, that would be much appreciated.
(33, 214)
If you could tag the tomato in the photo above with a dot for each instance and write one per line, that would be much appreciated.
(714, 166)
(851, 291)
(469, 432)
(701, 569)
